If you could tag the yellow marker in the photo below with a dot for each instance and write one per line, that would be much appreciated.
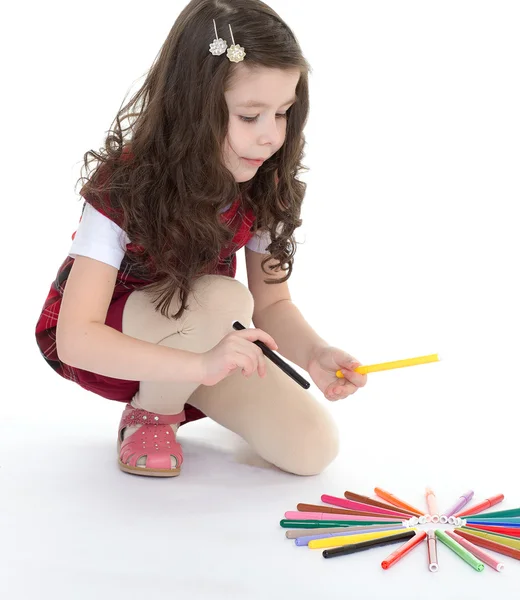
(343, 540)
(506, 540)
(396, 364)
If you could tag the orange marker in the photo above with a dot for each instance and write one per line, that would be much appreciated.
(395, 501)
(404, 549)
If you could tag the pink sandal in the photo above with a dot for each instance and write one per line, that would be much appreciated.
(154, 440)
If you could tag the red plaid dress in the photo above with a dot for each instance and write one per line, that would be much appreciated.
(240, 221)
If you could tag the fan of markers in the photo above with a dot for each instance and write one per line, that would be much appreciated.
(355, 523)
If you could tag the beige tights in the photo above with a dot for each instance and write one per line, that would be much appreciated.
(281, 421)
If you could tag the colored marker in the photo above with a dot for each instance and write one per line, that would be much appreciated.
(352, 548)
(371, 501)
(511, 531)
(495, 522)
(279, 362)
(501, 539)
(305, 539)
(403, 550)
(341, 540)
(476, 530)
(461, 502)
(296, 533)
(477, 564)
(512, 513)
(484, 505)
(490, 545)
(477, 552)
(345, 511)
(350, 503)
(431, 502)
(316, 516)
(395, 364)
(395, 501)
(433, 564)
(316, 524)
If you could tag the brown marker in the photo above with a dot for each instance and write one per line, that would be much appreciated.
(367, 500)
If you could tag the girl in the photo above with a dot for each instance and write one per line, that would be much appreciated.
(141, 310)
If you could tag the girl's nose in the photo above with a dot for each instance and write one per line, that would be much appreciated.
(272, 132)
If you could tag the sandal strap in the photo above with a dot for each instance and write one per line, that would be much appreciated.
(156, 443)
(138, 416)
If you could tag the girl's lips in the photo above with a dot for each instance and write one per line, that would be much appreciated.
(253, 162)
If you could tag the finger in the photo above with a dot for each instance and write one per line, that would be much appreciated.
(256, 357)
(341, 390)
(262, 367)
(260, 360)
(254, 353)
(344, 360)
(333, 397)
(349, 366)
(331, 393)
(348, 390)
(257, 334)
(247, 364)
(355, 378)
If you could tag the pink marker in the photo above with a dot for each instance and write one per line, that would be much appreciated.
(476, 551)
(317, 516)
(352, 505)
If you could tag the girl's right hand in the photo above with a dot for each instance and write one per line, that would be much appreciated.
(236, 350)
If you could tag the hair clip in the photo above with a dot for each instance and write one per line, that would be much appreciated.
(235, 52)
(218, 46)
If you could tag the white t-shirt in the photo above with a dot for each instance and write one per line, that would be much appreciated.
(100, 238)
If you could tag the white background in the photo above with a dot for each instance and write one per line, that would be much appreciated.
(410, 247)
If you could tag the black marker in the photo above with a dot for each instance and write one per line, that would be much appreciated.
(360, 546)
(287, 369)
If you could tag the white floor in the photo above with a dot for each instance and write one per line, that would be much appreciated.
(74, 527)
(411, 247)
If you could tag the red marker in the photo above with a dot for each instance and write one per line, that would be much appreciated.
(484, 505)
(404, 549)
(510, 531)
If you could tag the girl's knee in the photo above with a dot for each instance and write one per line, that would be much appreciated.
(313, 446)
(321, 449)
(224, 295)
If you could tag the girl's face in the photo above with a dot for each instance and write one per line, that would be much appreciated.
(257, 104)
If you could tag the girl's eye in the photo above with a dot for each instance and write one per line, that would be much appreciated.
(254, 119)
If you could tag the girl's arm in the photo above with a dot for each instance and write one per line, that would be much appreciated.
(275, 313)
(84, 341)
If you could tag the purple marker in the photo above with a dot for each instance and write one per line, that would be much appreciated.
(461, 503)
(305, 539)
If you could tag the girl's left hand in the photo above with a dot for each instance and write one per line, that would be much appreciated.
(323, 366)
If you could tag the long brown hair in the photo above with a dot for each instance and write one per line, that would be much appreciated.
(170, 193)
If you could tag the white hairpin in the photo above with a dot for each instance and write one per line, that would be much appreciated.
(218, 46)
(235, 52)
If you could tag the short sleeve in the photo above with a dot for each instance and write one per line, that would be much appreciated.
(99, 238)
(259, 242)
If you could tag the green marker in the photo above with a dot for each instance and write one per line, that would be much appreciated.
(312, 524)
(458, 549)
(512, 512)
